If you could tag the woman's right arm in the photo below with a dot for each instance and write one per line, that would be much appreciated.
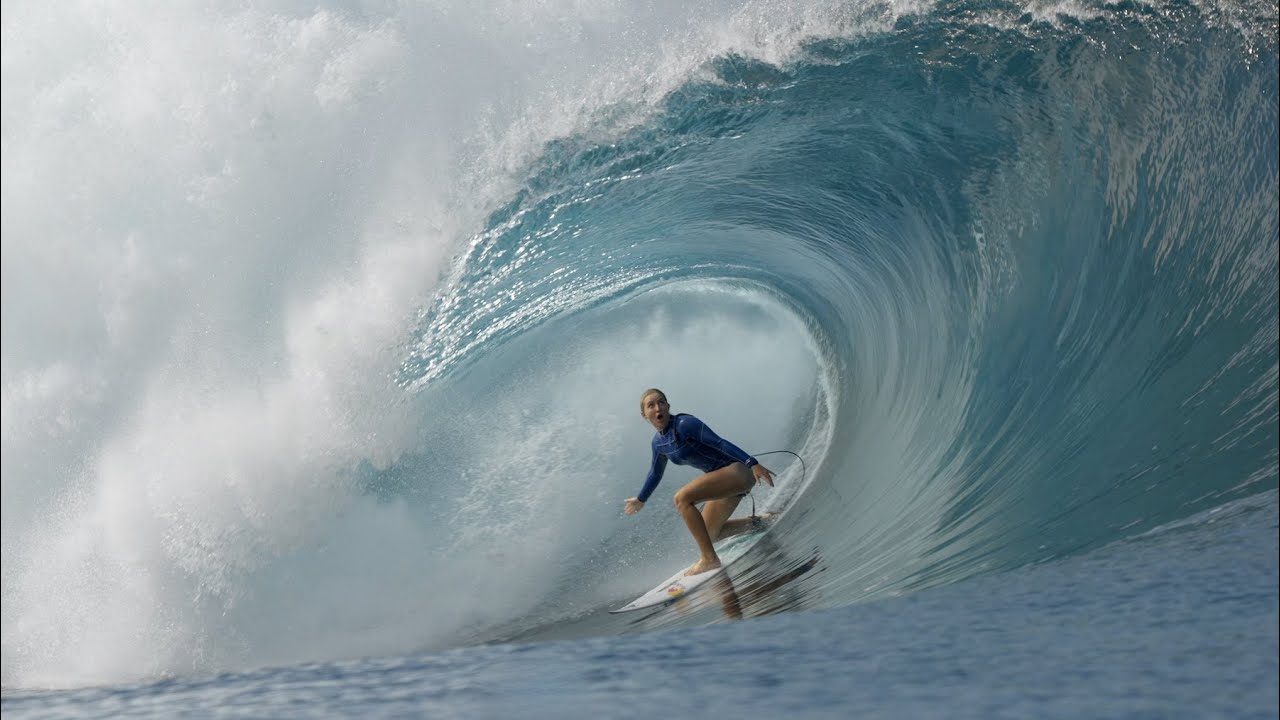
(657, 466)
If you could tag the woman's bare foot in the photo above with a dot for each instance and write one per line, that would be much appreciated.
(703, 565)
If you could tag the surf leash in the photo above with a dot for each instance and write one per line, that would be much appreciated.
(774, 452)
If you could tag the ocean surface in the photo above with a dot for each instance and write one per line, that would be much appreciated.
(325, 326)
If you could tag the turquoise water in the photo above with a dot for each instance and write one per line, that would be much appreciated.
(321, 389)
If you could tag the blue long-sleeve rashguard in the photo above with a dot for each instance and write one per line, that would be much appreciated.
(688, 441)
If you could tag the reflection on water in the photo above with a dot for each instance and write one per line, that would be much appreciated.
(765, 587)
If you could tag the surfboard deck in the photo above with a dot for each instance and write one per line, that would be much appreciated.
(680, 585)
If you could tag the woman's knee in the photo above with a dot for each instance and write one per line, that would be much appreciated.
(682, 497)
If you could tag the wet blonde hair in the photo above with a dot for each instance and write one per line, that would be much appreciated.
(649, 392)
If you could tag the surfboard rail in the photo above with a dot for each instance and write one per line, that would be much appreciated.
(680, 585)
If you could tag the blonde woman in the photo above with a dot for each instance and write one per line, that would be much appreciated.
(728, 475)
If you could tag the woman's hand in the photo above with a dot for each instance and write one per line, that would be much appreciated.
(763, 475)
(634, 505)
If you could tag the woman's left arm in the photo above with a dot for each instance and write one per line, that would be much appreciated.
(694, 427)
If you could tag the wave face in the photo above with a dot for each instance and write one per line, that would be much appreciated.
(348, 362)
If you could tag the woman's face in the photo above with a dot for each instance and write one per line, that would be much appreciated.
(656, 410)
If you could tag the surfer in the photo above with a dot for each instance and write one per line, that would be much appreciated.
(728, 475)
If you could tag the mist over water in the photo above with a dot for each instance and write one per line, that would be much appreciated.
(324, 326)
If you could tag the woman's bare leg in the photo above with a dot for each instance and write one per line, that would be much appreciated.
(715, 515)
(739, 525)
(727, 482)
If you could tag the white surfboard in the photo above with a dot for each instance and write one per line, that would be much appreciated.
(680, 585)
